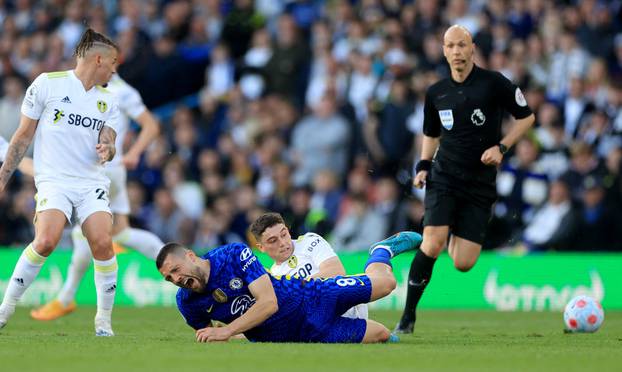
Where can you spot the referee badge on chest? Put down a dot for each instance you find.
(447, 118)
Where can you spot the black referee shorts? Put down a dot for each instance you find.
(465, 205)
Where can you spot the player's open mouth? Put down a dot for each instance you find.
(188, 282)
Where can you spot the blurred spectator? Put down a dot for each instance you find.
(10, 106)
(165, 219)
(320, 141)
(286, 70)
(390, 206)
(327, 194)
(521, 186)
(213, 232)
(554, 225)
(576, 107)
(583, 163)
(239, 25)
(387, 136)
(301, 218)
(612, 180)
(569, 62)
(600, 222)
(360, 228)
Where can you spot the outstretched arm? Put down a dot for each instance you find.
(148, 132)
(17, 148)
(105, 148)
(265, 305)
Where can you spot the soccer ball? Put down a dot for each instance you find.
(583, 314)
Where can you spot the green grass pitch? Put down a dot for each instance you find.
(156, 339)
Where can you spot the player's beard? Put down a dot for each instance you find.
(196, 280)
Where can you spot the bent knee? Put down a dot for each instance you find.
(464, 266)
(388, 285)
(101, 244)
(433, 245)
(383, 335)
(376, 332)
(44, 245)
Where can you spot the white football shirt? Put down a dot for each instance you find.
(310, 250)
(131, 106)
(70, 120)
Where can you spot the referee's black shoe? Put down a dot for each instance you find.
(405, 326)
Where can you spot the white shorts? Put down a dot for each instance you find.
(119, 201)
(67, 198)
(357, 312)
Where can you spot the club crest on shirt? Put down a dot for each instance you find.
(102, 106)
(447, 118)
(219, 295)
(292, 262)
(235, 283)
(478, 118)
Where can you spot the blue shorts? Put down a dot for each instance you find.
(326, 300)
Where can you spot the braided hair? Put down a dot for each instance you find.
(91, 39)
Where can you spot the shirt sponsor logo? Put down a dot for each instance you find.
(248, 263)
(447, 118)
(241, 303)
(86, 122)
(58, 114)
(246, 253)
(520, 98)
(235, 283)
(478, 118)
(304, 271)
(219, 295)
(314, 244)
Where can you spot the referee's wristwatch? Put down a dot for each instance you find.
(503, 149)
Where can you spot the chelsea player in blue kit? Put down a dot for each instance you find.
(228, 284)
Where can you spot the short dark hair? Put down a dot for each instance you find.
(89, 39)
(168, 249)
(265, 221)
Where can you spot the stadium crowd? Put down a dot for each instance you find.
(314, 109)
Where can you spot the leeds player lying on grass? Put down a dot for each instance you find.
(309, 256)
(228, 284)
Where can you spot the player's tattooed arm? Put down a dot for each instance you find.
(17, 148)
(105, 148)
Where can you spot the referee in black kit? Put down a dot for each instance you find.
(462, 120)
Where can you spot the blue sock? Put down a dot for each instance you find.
(381, 255)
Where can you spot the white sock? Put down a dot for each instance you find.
(143, 241)
(26, 270)
(80, 261)
(106, 285)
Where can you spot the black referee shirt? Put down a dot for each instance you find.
(467, 116)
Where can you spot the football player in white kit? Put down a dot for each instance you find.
(131, 106)
(309, 256)
(73, 120)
